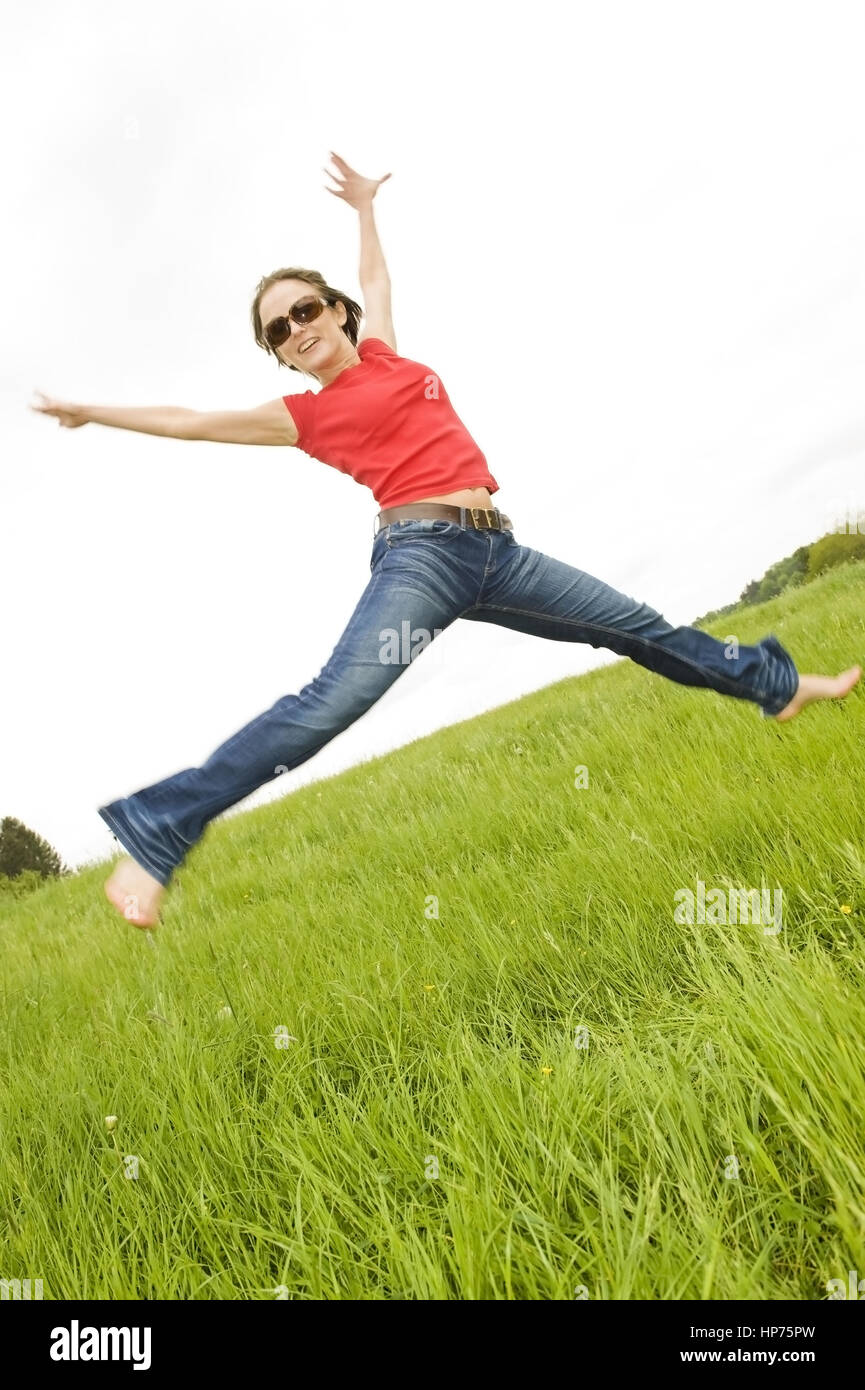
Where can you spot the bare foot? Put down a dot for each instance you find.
(820, 688)
(135, 893)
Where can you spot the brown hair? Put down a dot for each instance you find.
(354, 312)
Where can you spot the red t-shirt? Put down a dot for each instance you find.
(388, 423)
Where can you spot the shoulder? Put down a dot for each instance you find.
(375, 347)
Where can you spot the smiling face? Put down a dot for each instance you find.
(319, 348)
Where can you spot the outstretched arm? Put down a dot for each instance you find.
(359, 192)
(270, 423)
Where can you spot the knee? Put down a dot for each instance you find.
(329, 706)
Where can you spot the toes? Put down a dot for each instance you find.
(120, 900)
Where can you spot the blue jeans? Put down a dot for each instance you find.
(424, 575)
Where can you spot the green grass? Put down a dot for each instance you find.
(308, 1166)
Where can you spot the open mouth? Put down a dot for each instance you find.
(310, 343)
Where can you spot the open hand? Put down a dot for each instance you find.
(355, 190)
(71, 416)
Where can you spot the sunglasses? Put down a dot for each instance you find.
(304, 311)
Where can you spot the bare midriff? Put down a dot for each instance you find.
(467, 497)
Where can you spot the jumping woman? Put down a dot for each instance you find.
(441, 551)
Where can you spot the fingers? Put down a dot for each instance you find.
(344, 170)
(48, 406)
(347, 170)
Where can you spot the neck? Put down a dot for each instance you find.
(349, 357)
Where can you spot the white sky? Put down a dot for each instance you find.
(628, 237)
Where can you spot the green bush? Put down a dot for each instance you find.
(834, 549)
(25, 882)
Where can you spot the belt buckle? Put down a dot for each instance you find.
(475, 511)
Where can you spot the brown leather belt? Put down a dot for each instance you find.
(479, 518)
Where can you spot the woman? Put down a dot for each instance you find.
(441, 552)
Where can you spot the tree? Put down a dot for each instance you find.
(21, 849)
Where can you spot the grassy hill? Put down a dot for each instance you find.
(550, 1089)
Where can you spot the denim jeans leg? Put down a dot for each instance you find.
(159, 824)
(532, 592)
